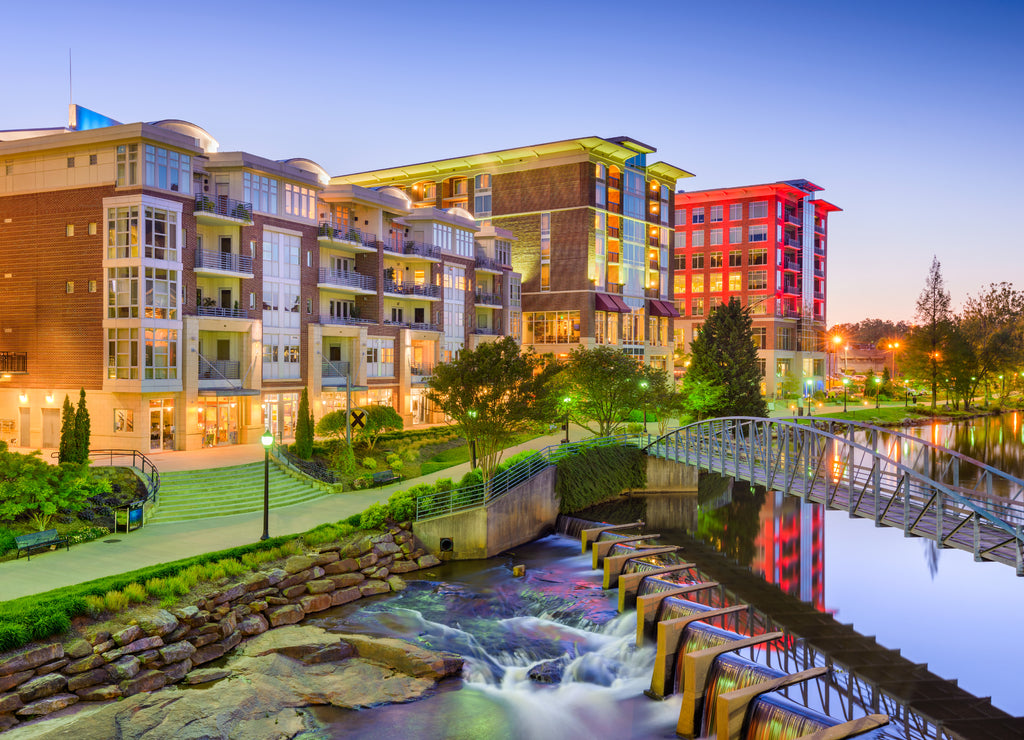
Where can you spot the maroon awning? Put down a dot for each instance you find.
(656, 308)
(671, 309)
(609, 302)
(623, 308)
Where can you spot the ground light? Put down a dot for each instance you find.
(567, 400)
(267, 439)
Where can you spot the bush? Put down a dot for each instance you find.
(443, 484)
(598, 474)
(136, 592)
(369, 463)
(7, 542)
(374, 517)
(12, 636)
(353, 521)
(474, 477)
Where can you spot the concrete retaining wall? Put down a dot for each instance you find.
(667, 475)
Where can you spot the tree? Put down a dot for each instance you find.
(335, 424)
(379, 419)
(993, 322)
(933, 317)
(82, 431)
(724, 356)
(604, 385)
(492, 394)
(870, 386)
(30, 487)
(303, 446)
(662, 397)
(68, 444)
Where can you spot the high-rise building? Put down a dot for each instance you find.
(767, 246)
(592, 219)
(193, 293)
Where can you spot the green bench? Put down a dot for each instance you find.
(27, 543)
(384, 477)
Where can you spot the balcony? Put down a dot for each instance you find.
(222, 313)
(614, 232)
(653, 264)
(819, 273)
(421, 249)
(222, 210)
(487, 331)
(819, 228)
(347, 279)
(415, 325)
(393, 244)
(793, 219)
(430, 292)
(334, 373)
(819, 294)
(326, 320)
(483, 262)
(613, 257)
(347, 236)
(219, 369)
(221, 263)
(791, 265)
(490, 299)
(13, 363)
(819, 250)
(652, 241)
(613, 288)
(421, 370)
(791, 242)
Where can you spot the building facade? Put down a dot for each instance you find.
(592, 221)
(767, 246)
(193, 293)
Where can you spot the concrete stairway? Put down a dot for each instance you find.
(200, 494)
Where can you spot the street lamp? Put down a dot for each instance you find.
(878, 389)
(893, 346)
(567, 400)
(906, 395)
(643, 387)
(836, 341)
(267, 439)
(846, 384)
(810, 383)
(472, 443)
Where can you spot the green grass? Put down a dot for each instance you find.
(896, 414)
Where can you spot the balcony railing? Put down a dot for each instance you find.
(614, 207)
(224, 313)
(488, 263)
(417, 325)
(818, 249)
(347, 234)
(614, 231)
(791, 242)
(613, 288)
(219, 369)
(653, 264)
(335, 369)
(819, 294)
(13, 362)
(792, 218)
(819, 273)
(791, 264)
(393, 244)
(614, 182)
(223, 261)
(489, 331)
(344, 320)
(348, 279)
(652, 241)
(422, 371)
(423, 250)
(491, 299)
(221, 205)
(425, 290)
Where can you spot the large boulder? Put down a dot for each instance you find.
(406, 657)
(31, 658)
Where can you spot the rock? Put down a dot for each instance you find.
(547, 672)
(205, 639)
(405, 657)
(293, 591)
(207, 653)
(41, 687)
(77, 649)
(285, 615)
(145, 681)
(396, 583)
(185, 612)
(298, 563)
(127, 635)
(315, 603)
(427, 561)
(258, 606)
(228, 624)
(326, 557)
(357, 547)
(158, 623)
(176, 671)
(329, 654)
(321, 586)
(107, 692)
(123, 669)
(14, 679)
(102, 647)
(51, 667)
(150, 659)
(347, 579)
(10, 703)
(367, 560)
(48, 705)
(275, 576)
(177, 652)
(379, 539)
(205, 675)
(7, 721)
(372, 588)
(85, 664)
(386, 548)
(264, 592)
(254, 624)
(380, 574)
(230, 595)
(294, 641)
(277, 600)
(344, 596)
(97, 637)
(145, 643)
(231, 640)
(31, 658)
(87, 679)
(113, 655)
(177, 634)
(256, 582)
(403, 566)
(346, 565)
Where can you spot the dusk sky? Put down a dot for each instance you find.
(909, 114)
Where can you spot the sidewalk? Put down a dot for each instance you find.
(161, 543)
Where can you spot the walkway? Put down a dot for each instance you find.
(162, 543)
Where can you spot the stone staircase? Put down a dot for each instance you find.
(201, 494)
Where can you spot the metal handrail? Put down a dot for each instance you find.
(224, 313)
(225, 261)
(13, 362)
(422, 249)
(347, 234)
(221, 205)
(335, 369)
(219, 369)
(490, 299)
(150, 474)
(306, 467)
(344, 320)
(348, 278)
(426, 289)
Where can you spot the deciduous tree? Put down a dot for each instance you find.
(604, 385)
(379, 419)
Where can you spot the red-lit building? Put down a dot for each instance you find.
(766, 245)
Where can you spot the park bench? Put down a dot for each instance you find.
(384, 477)
(39, 541)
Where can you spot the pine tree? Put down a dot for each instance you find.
(724, 355)
(68, 445)
(933, 318)
(82, 431)
(303, 446)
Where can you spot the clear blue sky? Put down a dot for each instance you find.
(908, 113)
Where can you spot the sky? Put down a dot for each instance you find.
(908, 114)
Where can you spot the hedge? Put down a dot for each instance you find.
(598, 474)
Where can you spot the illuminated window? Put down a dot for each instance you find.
(716, 259)
(697, 262)
(735, 258)
(757, 257)
(757, 233)
(161, 354)
(123, 232)
(735, 282)
(716, 282)
(697, 307)
(757, 280)
(760, 337)
(697, 283)
(123, 354)
(122, 292)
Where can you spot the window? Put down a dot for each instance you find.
(482, 205)
(552, 327)
(127, 165)
(679, 285)
(680, 216)
(92, 228)
(697, 307)
(124, 420)
(679, 240)
(716, 259)
(482, 182)
(260, 191)
(123, 354)
(69, 287)
(93, 159)
(735, 258)
(735, 234)
(69, 230)
(760, 336)
(161, 293)
(757, 257)
(698, 215)
(161, 354)
(123, 232)
(502, 250)
(309, 305)
(715, 214)
(785, 338)
(545, 252)
(735, 211)
(161, 234)
(716, 301)
(697, 262)
(757, 280)
(380, 357)
(757, 233)
(299, 201)
(463, 243)
(716, 282)
(696, 283)
(697, 239)
(168, 170)
(716, 237)
(759, 209)
(759, 307)
(460, 186)
(735, 282)
(679, 262)
(122, 292)
(71, 162)
(430, 191)
(92, 286)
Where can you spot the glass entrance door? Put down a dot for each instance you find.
(218, 418)
(161, 424)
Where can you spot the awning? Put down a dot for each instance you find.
(662, 308)
(228, 392)
(607, 302)
(623, 308)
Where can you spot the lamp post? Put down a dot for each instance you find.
(893, 346)
(472, 443)
(906, 395)
(567, 400)
(846, 384)
(267, 439)
(643, 387)
(810, 384)
(836, 341)
(878, 389)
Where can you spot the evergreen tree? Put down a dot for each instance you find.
(724, 355)
(82, 431)
(933, 318)
(68, 444)
(303, 446)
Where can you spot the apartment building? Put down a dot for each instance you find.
(767, 246)
(592, 220)
(193, 293)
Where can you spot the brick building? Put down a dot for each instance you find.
(193, 293)
(592, 219)
(766, 245)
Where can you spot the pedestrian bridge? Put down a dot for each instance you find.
(893, 478)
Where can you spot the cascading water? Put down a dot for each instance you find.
(773, 717)
(673, 608)
(731, 672)
(700, 636)
(573, 526)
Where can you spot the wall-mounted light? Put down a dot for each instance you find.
(23, 397)
(49, 396)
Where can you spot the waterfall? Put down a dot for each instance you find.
(674, 607)
(731, 672)
(773, 717)
(573, 526)
(700, 636)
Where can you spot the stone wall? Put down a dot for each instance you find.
(162, 647)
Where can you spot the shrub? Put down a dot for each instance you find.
(397, 466)
(232, 567)
(136, 592)
(374, 516)
(115, 601)
(7, 542)
(402, 506)
(472, 478)
(392, 458)
(96, 604)
(443, 484)
(409, 455)
(369, 463)
(352, 521)
(12, 636)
